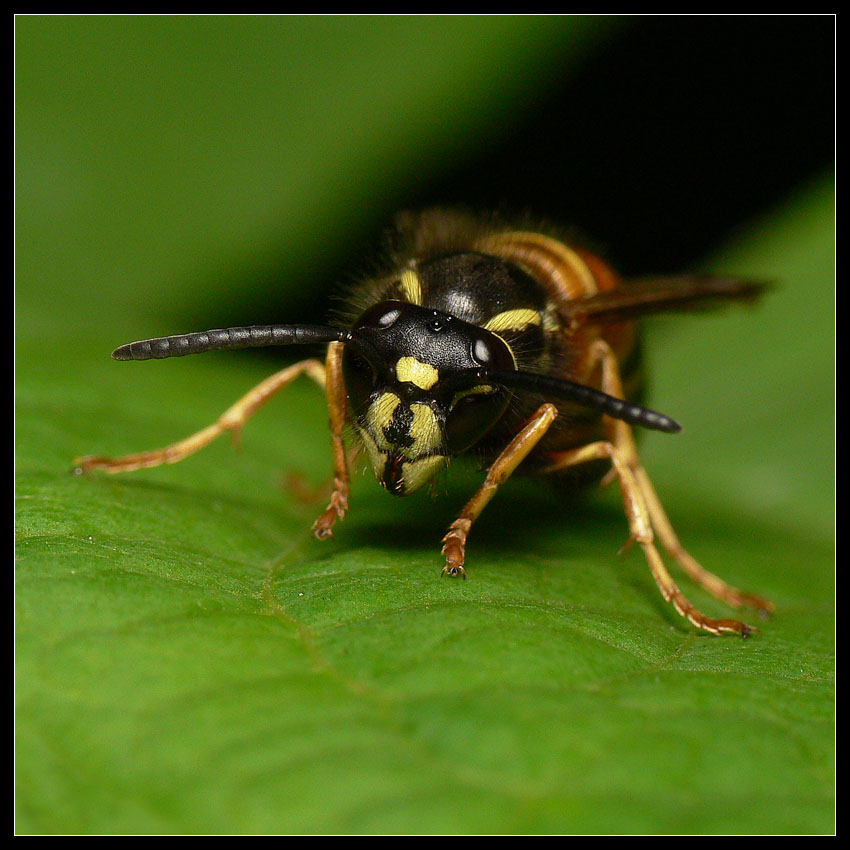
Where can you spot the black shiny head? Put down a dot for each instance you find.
(408, 400)
(418, 347)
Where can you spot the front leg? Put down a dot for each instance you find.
(336, 414)
(454, 543)
(233, 420)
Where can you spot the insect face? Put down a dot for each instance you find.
(407, 405)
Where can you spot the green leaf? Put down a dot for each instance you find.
(190, 659)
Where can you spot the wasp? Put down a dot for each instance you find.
(480, 337)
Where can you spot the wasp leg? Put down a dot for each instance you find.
(233, 420)
(454, 543)
(336, 413)
(620, 434)
(640, 527)
(712, 583)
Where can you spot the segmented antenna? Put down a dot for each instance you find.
(257, 336)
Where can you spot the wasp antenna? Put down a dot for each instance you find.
(616, 408)
(256, 336)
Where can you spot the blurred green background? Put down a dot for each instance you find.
(188, 658)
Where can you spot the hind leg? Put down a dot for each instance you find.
(645, 514)
(620, 434)
(640, 527)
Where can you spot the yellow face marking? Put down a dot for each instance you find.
(381, 411)
(513, 320)
(377, 457)
(416, 372)
(418, 461)
(411, 286)
(425, 431)
(419, 472)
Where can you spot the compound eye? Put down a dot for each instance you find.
(381, 316)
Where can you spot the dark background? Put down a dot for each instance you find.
(670, 135)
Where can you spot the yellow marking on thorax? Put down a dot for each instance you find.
(416, 372)
(513, 320)
(411, 286)
(551, 324)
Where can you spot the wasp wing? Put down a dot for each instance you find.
(658, 295)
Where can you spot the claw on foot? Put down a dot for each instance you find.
(454, 570)
(85, 464)
(716, 627)
(322, 528)
(454, 548)
(323, 525)
(81, 465)
(733, 626)
(334, 511)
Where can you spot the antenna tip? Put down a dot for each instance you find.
(662, 423)
(122, 353)
(658, 421)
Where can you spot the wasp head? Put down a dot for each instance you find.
(406, 408)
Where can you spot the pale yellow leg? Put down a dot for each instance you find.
(233, 420)
(644, 512)
(640, 526)
(454, 543)
(620, 434)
